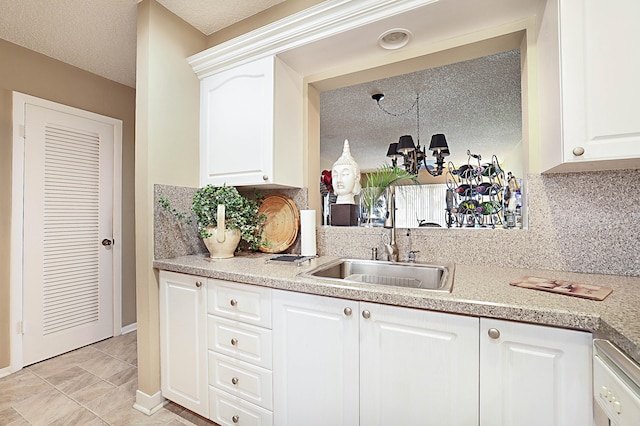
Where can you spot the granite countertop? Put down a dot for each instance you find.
(482, 291)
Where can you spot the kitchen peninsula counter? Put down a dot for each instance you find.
(482, 291)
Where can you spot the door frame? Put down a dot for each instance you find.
(17, 218)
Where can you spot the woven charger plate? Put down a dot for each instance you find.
(282, 223)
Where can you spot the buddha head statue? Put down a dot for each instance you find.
(345, 176)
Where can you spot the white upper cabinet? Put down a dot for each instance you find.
(589, 86)
(251, 126)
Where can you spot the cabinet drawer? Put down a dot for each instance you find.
(241, 341)
(242, 302)
(241, 379)
(229, 410)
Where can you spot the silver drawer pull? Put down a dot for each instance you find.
(233, 302)
(235, 380)
(235, 419)
(348, 311)
(366, 314)
(234, 342)
(198, 284)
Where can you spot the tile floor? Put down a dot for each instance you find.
(94, 385)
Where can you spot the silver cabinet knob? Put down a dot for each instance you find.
(198, 284)
(366, 314)
(348, 311)
(234, 342)
(578, 151)
(233, 302)
(235, 419)
(265, 178)
(235, 380)
(106, 242)
(494, 333)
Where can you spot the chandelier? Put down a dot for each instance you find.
(412, 154)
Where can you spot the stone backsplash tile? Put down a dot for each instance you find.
(577, 222)
(173, 238)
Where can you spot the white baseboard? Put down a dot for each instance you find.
(129, 328)
(149, 404)
(4, 372)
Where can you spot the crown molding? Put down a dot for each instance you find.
(323, 20)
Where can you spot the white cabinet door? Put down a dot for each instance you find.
(532, 375)
(417, 365)
(315, 360)
(183, 340)
(236, 137)
(251, 126)
(597, 123)
(600, 78)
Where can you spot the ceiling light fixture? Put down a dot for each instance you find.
(413, 155)
(394, 39)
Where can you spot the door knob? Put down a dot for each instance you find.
(106, 242)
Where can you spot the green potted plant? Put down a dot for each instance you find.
(376, 183)
(224, 217)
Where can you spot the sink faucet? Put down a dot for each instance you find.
(390, 223)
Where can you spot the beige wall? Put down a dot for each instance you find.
(29, 72)
(167, 135)
(279, 11)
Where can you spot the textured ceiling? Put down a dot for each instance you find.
(99, 36)
(475, 103)
(209, 16)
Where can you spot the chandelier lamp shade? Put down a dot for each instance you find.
(412, 154)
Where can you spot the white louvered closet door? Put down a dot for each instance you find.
(68, 199)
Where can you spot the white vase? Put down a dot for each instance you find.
(224, 249)
(223, 242)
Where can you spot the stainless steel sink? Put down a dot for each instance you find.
(411, 275)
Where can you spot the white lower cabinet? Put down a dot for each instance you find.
(316, 366)
(532, 375)
(240, 354)
(183, 340)
(342, 362)
(417, 367)
(248, 355)
(229, 410)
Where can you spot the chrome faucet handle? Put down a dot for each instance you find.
(412, 256)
